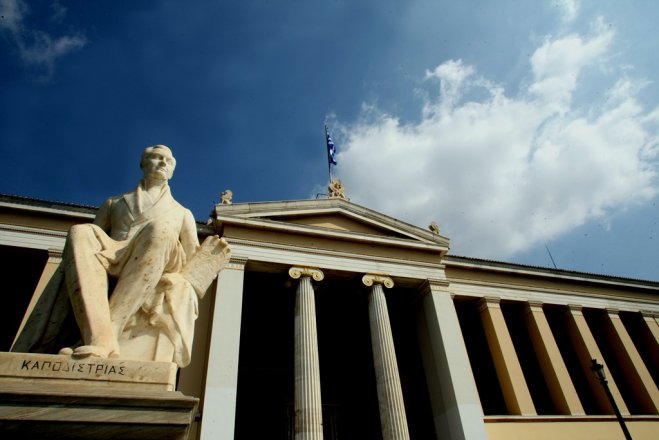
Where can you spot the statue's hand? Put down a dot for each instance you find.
(220, 246)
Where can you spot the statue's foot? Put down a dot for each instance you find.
(68, 351)
(93, 351)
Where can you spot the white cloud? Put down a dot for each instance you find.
(557, 64)
(501, 174)
(569, 9)
(37, 47)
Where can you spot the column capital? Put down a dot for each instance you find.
(533, 306)
(575, 308)
(612, 311)
(54, 254)
(432, 285)
(649, 314)
(236, 262)
(371, 279)
(296, 272)
(488, 302)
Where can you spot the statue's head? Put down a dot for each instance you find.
(159, 161)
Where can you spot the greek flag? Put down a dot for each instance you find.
(331, 149)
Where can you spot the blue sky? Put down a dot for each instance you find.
(512, 124)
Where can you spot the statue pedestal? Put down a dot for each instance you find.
(53, 396)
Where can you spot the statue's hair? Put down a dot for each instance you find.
(150, 149)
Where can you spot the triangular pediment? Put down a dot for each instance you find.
(334, 217)
(339, 221)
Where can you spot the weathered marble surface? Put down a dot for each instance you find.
(146, 242)
(56, 411)
(49, 370)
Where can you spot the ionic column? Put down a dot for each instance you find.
(509, 371)
(390, 393)
(555, 372)
(586, 347)
(632, 364)
(308, 406)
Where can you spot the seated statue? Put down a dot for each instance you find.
(131, 279)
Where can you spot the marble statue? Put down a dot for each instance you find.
(226, 197)
(336, 190)
(131, 279)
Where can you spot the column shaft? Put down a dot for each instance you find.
(390, 394)
(509, 371)
(308, 404)
(560, 385)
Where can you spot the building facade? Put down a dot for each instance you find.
(343, 323)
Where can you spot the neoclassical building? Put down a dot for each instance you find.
(339, 322)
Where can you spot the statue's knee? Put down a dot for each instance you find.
(82, 231)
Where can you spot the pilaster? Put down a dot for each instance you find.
(509, 371)
(652, 339)
(53, 262)
(224, 347)
(631, 363)
(584, 344)
(456, 407)
(551, 362)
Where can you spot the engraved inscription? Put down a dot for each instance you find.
(89, 368)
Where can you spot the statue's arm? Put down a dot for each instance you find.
(189, 239)
(102, 218)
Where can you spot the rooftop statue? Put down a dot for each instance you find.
(131, 279)
(336, 190)
(226, 197)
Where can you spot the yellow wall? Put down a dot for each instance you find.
(562, 429)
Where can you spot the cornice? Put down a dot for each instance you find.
(554, 297)
(548, 273)
(65, 211)
(568, 290)
(33, 231)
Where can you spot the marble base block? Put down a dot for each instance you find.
(48, 369)
(55, 397)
